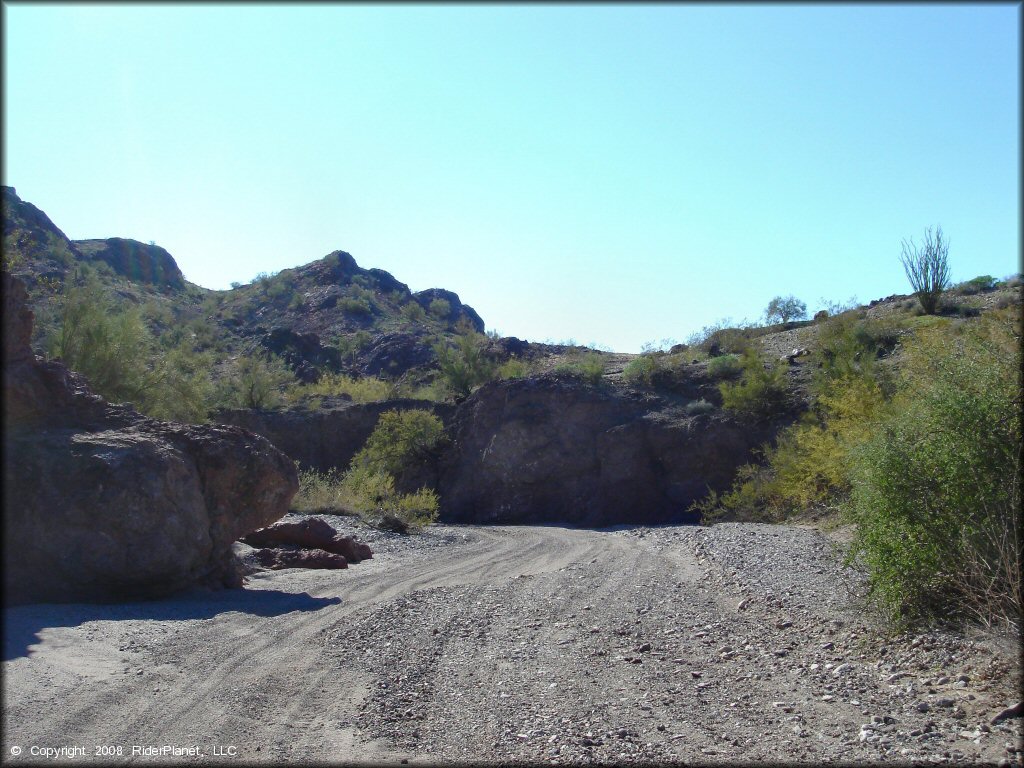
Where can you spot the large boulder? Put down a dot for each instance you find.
(540, 450)
(279, 558)
(102, 503)
(141, 262)
(392, 354)
(310, 533)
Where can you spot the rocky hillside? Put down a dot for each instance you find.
(573, 435)
(327, 315)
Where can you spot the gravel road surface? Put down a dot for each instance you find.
(732, 643)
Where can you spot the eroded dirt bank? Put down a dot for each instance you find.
(738, 642)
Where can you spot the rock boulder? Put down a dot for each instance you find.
(309, 533)
(278, 558)
(102, 503)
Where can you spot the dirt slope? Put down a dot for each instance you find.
(735, 642)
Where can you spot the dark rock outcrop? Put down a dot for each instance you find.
(392, 354)
(278, 558)
(32, 233)
(456, 309)
(303, 352)
(137, 261)
(310, 533)
(102, 503)
(327, 438)
(548, 450)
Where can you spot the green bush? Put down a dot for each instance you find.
(401, 440)
(761, 390)
(724, 366)
(975, 285)
(588, 366)
(112, 347)
(119, 357)
(413, 312)
(809, 466)
(513, 368)
(848, 347)
(698, 407)
(464, 365)
(640, 371)
(373, 497)
(440, 308)
(322, 492)
(349, 346)
(255, 381)
(357, 307)
(936, 490)
(370, 495)
(361, 389)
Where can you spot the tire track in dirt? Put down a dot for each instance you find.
(237, 653)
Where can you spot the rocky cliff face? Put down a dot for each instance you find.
(101, 503)
(548, 450)
(328, 437)
(542, 450)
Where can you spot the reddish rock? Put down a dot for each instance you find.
(312, 533)
(276, 559)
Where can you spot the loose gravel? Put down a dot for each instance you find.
(524, 644)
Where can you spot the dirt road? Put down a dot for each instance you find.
(737, 642)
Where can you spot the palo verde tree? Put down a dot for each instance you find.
(927, 268)
(782, 309)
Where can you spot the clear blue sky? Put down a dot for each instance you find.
(611, 174)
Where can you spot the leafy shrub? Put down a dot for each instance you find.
(373, 497)
(440, 308)
(588, 366)
(185, 390)
(810, 463)
(697, 407)
(724, 366)
(744, 501)
(115, 351)
(975, 285)
(357, 307)
(513, 368)
(640, 371)
(936, 490)
(761, 390)
(370, 495)
(322, 492)
(349, 346)
(361, 389)
(413, 312)
(401, 439)
(255, 381)
(112, 347)
(848, 348)
(464, 365)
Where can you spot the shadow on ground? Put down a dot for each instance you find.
(22, 624)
